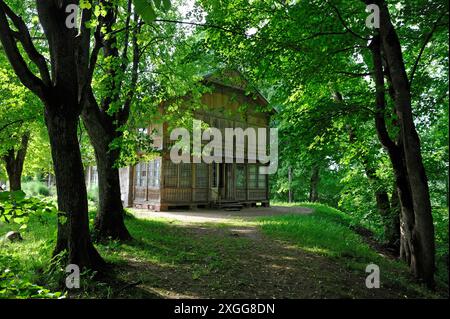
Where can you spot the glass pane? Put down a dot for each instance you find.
(138, 174)
(170, 174)
(262, 181)
(185, 175)
(252, 176)
(240, 176)
(143, 176)
(150, 179)
(201, 175)
(157, 171)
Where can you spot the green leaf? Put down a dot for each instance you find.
(85, 4)
(4, 196)
(157, 4)
(166, 4)
(145, 9)
(18, 195)
(15, 196)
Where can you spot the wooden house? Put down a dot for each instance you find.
(160, 184)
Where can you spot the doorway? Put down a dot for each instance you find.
(229, 181)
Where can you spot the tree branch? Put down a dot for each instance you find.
(380, 122)
(23, 35)
(28, 79)
(344, 24)
(422, 49)
(5, 126)
(355, 74)
(92, 63)
(125, 111)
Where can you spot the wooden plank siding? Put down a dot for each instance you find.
(191, 184)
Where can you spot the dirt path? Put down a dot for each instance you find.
(210, 215)
(245, 264)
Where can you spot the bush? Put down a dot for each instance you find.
(12, 286)
(35, 188)
(92, 194)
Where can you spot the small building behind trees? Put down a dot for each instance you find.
(160, 184)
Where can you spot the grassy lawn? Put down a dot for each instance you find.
(291, 256)
(327, 232)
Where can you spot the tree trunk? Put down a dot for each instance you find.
(104, 128)
(62, 89)
(109, 222)
(314, 184)
(407, 220)
(417, 237)
(423, 232)
(73, 221)
(14, 163)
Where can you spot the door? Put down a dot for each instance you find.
(229, 181)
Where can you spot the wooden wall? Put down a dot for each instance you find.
(184, 184)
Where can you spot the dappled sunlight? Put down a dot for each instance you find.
(164, 293)
(317, 250)
(279, 267)
(235, 258)
(221, 216)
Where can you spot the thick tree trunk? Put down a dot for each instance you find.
(314, 184)
(109, 222)
(14, 177)
(417, 231)
(407, 220)
(14, 163)
(423, 232)
(103, 128)
(61, 89)
(73, 221)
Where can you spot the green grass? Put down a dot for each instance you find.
(322, 232)
(166, 243)
(178, 255)
(327, 232)
(163, 243)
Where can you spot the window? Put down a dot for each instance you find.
(143, 175)
(157, 174)
(240, 176)
(150, 174)
(170, 174)
(201, 175)
(185, 174)
(262, 178)
(154, 173)
(137, 174)
(252, 176)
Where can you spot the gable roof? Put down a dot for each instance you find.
(235, 80)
